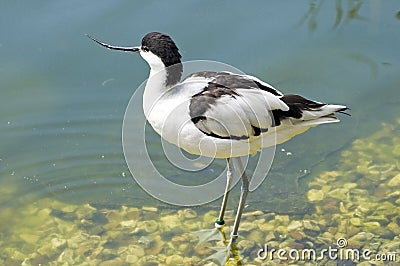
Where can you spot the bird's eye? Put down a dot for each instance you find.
(145, 49)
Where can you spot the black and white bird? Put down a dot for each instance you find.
(220, 114)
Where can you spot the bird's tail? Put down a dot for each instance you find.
(305, 112)
(323, 115)
(302, 115)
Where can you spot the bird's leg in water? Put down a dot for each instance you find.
(220, 221)
(243, 195)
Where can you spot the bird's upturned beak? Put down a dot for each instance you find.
(135, 49)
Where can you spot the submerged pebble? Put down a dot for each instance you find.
(136, 250)
(150, 226)
(339, 193)
(149, 209)
(355, 221)
(294, 225)
(247, 226)
(187, 214)
(311, 225)
(315, 195)
(174, 260)
(395, 181)
(131, 259)
(170, 222)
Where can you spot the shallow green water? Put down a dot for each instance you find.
(63, 100)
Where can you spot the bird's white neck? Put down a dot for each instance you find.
(161, 79)
(155, 87)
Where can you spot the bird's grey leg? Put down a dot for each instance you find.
(220, 221)
(243, 195)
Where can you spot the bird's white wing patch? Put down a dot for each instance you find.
(234, 114)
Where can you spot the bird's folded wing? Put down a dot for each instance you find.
(234, 113)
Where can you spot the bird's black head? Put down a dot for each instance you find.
(163, 46)
(159, 50)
